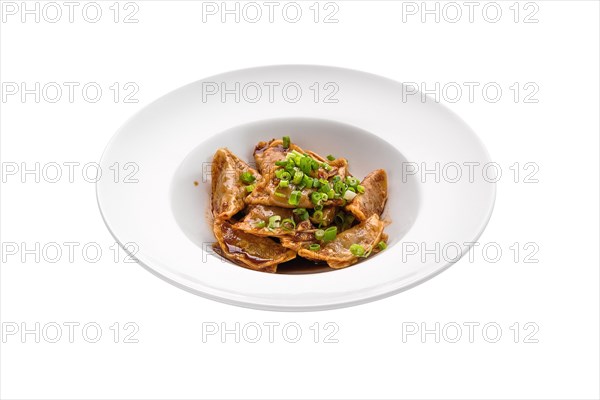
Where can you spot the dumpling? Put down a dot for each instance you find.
(266, 154)
(257, 218)
(228, 190)
(372, 201)
(337, 252)
(251, 251)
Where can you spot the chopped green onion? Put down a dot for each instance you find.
(340, 218)
(314, 247)
(349, 195)
(324, 197)
(286, 142)
(331, 194)
(330, 234)
(360, 188)
(283, 183)
(352, 181)
(314, 165)
(247, 177)
(348, 221)
(285, 176)
(318, 216)
(316, 183)
(382, 245)
(288, 224)
(297, 154)
(250, 188)
(295, 197)
(307, 181)
(281, 163)
(339, 186)
(280, 195)
(326, 166)
(325, 187)
(301, 213)
(298, 175)
(318, 207)
(319, 234)
(274, 222)
(260, 224)
(306, 164)
(316, 197)
(330, 157)
(357, 250)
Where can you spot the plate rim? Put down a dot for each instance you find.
(299, 308)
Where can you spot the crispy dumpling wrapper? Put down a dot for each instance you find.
(228, 191)
(251, 251)
(372, 201)
(337, 252)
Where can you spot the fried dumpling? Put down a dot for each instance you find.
(266, 154)
(372, 201)
(251, 251)
(228, 190)
(337, 252)
(268, 193)
(299, 240)
(256, 221)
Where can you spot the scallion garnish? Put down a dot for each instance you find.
(326, 166)
(316, 197)
(325, 187)
(298, 175)
(295, 197)
(301, 213)
(250, 188)
(330, 233)
(330, 157)
(283, 196)
(288, 224)
(283, 183)
(307, 181)
(352, 181)
(247, 177)
(318, 216)
(357, 250)
(382, 245)
(349, 195)
(319, 234)
(286, 176)
(339, 186)
(286, 142)
(318, 207)
(274, 222)
(314, 247)
(360, 188)
(340, 217)
(260, 224)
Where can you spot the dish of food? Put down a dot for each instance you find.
(165, 221)
(296, 203)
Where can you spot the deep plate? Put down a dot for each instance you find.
(172, 141)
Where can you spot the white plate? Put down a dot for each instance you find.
(370, 120)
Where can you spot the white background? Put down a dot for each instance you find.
(171, 46)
